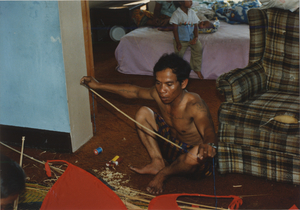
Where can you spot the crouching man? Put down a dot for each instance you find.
(184, 119)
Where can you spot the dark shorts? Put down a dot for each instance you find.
(171, 152)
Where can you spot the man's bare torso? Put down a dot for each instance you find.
(180, 120)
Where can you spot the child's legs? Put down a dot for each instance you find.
(196, 56)
(184, 46)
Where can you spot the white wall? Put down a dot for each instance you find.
(75, 67)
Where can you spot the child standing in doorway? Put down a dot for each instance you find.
(185, 30)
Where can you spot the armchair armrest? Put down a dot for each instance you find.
(238, 85)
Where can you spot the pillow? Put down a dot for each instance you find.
(291, 5)
(236, 13)
(209, 30)
(220, 4)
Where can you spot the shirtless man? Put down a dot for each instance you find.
(185, 118)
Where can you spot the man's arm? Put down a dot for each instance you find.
(125, 90)
(204, 123)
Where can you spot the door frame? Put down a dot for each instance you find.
(87, 34)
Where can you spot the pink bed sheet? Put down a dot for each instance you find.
(224, 50)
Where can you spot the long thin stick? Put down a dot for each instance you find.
(22, 151)
(246, 196)
(61, 171)
(152, 196)
(193, 208)
(151, 131)
(20, 163)
(178, 201)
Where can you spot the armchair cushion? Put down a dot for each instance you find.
(259, 117)
(240, 84)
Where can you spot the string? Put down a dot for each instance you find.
(267, 122)
(214, 175)
(94, 115)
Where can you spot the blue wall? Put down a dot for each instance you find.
(32, 76)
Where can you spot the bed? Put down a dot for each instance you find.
(224, 50)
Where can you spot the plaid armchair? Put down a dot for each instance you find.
(259, 120)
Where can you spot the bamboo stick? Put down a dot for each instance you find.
(151, 131)
(245, 196)
(133, 198)
(131, 206)
(196, 208)
(61, 171)
(201, 205)
(183, 202)
(22, 151)
(16, 202)
(36, 189)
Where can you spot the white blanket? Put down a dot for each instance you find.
(224, 50)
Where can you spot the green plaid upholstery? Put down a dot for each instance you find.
(281, 57)
(240, 84)
(259, 113)
(272, 165)
(251, 140)
(258, 34)
(239, 135)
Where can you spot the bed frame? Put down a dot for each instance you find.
(224, 50)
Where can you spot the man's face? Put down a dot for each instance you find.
(167, 86)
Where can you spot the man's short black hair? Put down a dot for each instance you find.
(179, 66)
(12, 177)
